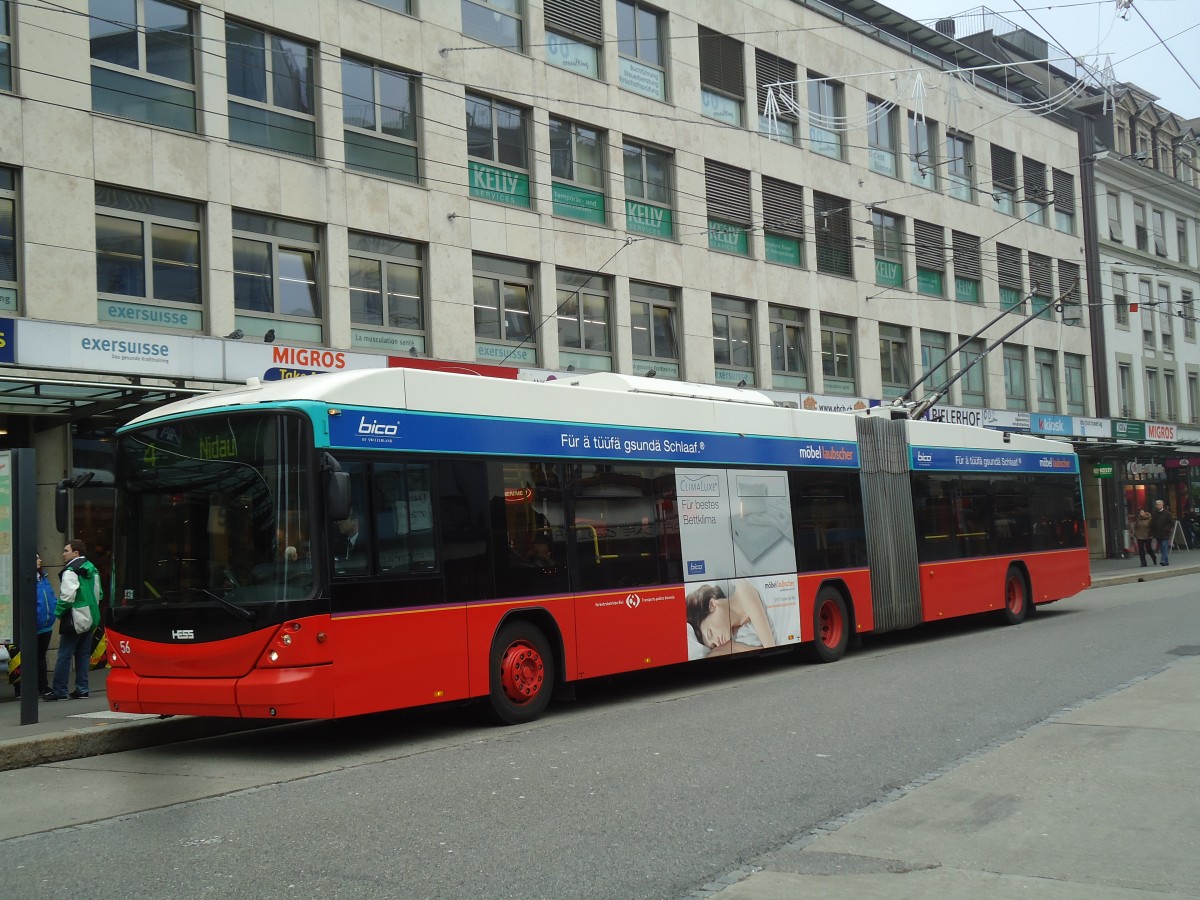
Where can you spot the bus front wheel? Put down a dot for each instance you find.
(1016, 597)
(831, 624)
(522, 673)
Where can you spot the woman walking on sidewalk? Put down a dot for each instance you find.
(1140, 525)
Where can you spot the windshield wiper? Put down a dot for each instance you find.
(245, 615)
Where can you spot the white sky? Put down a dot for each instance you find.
(1089, 27)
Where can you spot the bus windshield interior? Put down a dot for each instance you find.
(215, 512)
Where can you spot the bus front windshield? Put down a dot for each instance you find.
(214, 512)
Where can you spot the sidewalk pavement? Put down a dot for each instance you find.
(1097, 802)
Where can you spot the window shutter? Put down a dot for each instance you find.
(1064, 191)
(1035, 179)
(1041, 275)
(1004, 169)
(577, 18)
(727, 189)
(721, 63)
(967, 262)
(783, 208)
(1068, 283)
(1008, 267)
(771, 69)
(931, 250)
(831, 226)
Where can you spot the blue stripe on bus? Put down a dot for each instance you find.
(447, 433)
(952, 459)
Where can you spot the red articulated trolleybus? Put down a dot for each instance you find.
(349, 543)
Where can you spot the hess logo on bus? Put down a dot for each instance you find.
(377, 428)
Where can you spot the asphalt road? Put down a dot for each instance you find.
(646, 786)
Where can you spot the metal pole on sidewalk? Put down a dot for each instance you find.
(24, 548)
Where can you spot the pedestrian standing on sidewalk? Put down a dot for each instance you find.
(81, 589)
(1141, 533)
(1162, 527)
(46, 602)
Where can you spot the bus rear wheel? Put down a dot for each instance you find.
(522, 673)
(1016, 597)
(831, 625)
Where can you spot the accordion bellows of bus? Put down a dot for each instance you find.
(348, 543)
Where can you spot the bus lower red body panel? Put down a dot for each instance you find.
(969, 586)
(305, 693)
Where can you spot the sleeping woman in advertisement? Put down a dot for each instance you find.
(731, 624)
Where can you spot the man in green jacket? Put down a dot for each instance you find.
(81, 589)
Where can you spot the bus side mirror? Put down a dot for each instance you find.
(337, 495)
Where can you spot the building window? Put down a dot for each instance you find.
(574, 35)
(648, 190)
(1010, 276)
(1160, 233)
(960, 166)
(640, 49)
(968, 266)
(496, 22)
(9, 291)
(1073, 370)
(584, 303)
(503, 293)
(789, 347)
(894, 360)
(272, 77)
(922, 151)
(1016, 381)
(1046, 376)
(275, 270)
(387, 291)
(722, 77)
(1124, 382)
(733, 339)
(147, 249)
(935, 361)
(5, 47)
(400, 6)
(1166, 317)
(776, 111)
(1146, 314)
(1187, 312)
(889, 248)
(1122, 139)
(577, 167)
(882, 138)
(1193, 393)
(1142, 235)
(1120, 300)
(1172, 402)
(1004, 180)
(496, 132)
(1153, 398)
(837, 355)
(1114, 217)
(727, 192)
(1181, 241)
(1071, 292)
(783, 222)
(1041, 284)
(1034, 174)
(143, 61)
(972, 386)
(826, 116)
(653, 314)
(831, 224)
(931, 258)
(1064, 201)
(380, 118)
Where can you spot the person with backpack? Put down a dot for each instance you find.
(78, 612)
(46, 601)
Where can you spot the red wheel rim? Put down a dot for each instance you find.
(1014, 595)
(521, 672)
(830, 623)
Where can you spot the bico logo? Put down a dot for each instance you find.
(633, 601)
(365, 427)
(183, 634)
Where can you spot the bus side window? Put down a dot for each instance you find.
(402, 500)
(618, 527)
(529, 540)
